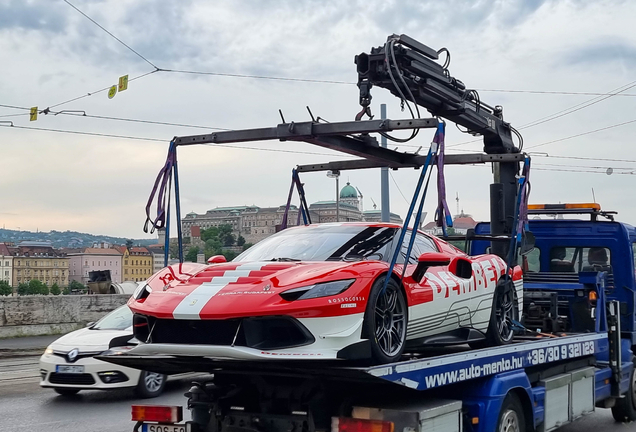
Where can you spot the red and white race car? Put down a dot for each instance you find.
(317, 292)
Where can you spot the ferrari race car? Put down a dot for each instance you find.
(318, 292)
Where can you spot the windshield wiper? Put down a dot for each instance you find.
(284, 259)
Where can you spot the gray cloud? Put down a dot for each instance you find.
(46, 16)
(602, 53)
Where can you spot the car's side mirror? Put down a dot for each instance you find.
(430, 259)
(216, 259)
(90, 324)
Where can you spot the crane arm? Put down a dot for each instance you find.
(409, 70)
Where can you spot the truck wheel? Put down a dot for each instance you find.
(511, 418)
(385, 321)
(66, 391)
(625, 408)
(504, 310)
(150, 384)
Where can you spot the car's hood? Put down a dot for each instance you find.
(87, 340)
(240, 289)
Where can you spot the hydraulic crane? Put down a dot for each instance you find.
(409, 70)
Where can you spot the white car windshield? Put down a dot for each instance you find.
(328, 242)
(119, 319)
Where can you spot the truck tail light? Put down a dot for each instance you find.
(345, 424)
(157, 413)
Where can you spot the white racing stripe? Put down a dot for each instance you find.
(192, 304)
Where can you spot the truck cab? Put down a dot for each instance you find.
(568, 252)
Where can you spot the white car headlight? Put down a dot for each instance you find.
(118, 350)
(48, 351)
(325, 289)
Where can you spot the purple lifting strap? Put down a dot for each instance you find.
(160, 186)
(442, 214)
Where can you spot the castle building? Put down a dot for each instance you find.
(256, 223)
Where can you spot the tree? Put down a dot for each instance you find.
(210, 233)
(55, 289)
(240, 241)
(246, 246)
(228, 239)
(5, 288)
(23, 288)
(192, 254)
(38, 287)
(129, 243)
(76, 286)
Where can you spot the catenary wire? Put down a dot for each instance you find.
(112, 35)
(398, 188)
(166, 140)
(582, 134)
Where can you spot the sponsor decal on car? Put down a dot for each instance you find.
(346, 299)
(348, 305)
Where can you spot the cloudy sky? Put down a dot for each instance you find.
(511, 51)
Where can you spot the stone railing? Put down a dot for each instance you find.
(38, 315)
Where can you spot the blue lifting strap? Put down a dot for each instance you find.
(398, 248)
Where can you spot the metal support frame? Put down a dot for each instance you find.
(353, 138)
(465, 159)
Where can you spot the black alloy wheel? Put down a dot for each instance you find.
(385, 322)
(505, 311)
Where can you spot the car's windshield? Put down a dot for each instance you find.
(119, 319)
(327, 242)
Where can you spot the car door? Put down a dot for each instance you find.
(433, 302)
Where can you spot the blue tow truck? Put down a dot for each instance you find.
(575, 355)
(574, 349)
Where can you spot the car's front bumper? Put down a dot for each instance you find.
(97, 374)
(331, 335)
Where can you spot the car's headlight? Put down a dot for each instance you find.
(48, 351)
(118, 350)
(318, 290)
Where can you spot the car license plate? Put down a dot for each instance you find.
(153, 427)
(69, 369)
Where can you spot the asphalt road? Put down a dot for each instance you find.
(24, 406)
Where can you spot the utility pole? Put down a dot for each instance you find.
(384, 178)
(335, 174)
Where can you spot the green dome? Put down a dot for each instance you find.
(348, 192)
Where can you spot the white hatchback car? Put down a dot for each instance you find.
(68, 364)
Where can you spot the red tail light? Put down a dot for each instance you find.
(157, 413)
(344, 424)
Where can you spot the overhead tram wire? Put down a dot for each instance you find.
(111, 35)
(582, 134)
(535, 166)
(557, 93)
(239, 147)
(566, 111)
(100, 90)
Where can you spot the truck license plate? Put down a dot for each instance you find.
(153, 427)
(69, 369)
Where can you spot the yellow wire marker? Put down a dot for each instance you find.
(112, 92)
(33, 115)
